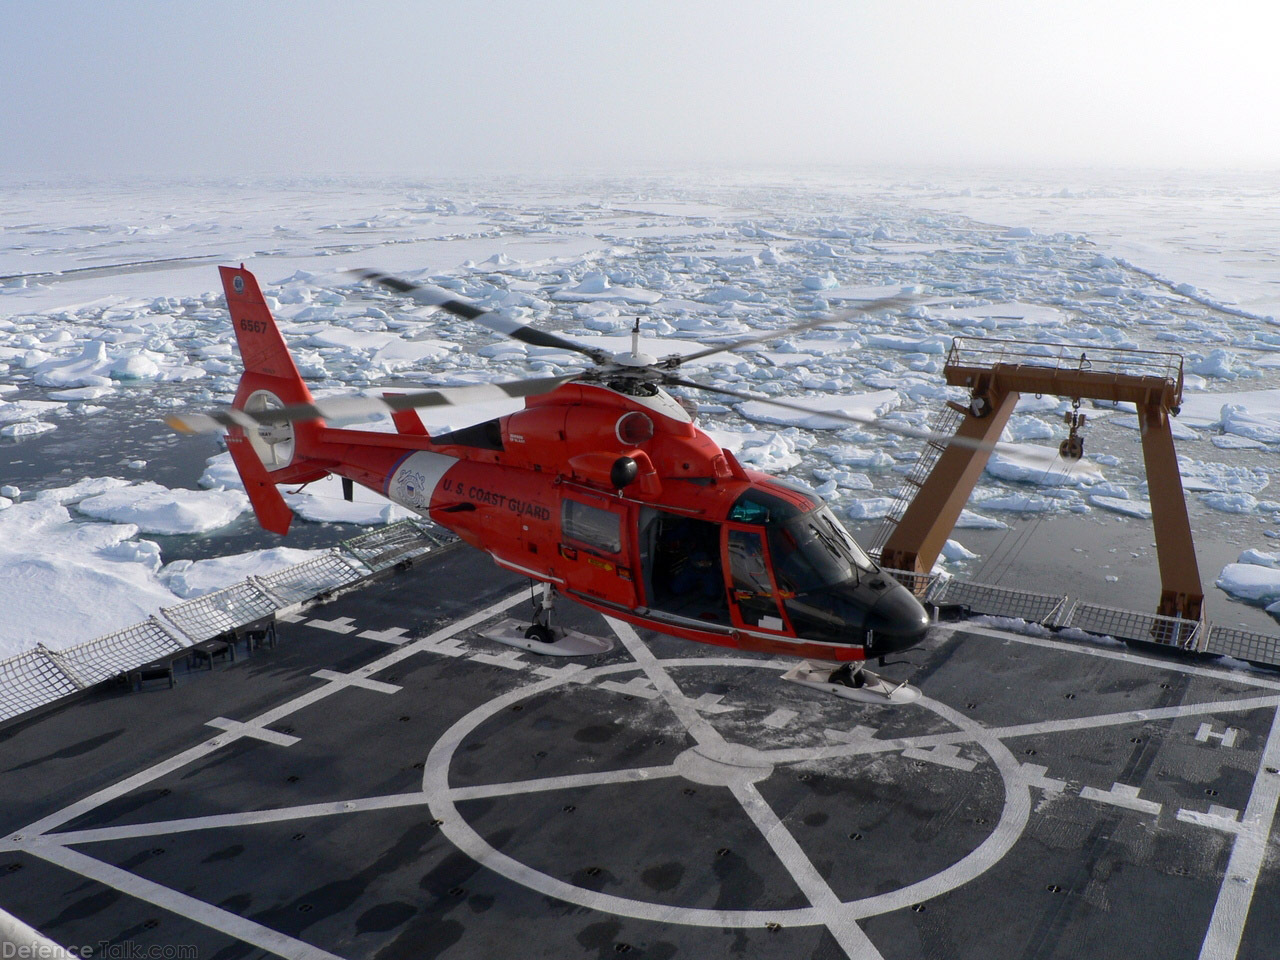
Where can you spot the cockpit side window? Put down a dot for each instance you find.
(756, 506)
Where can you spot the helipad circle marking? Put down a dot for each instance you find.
(435, 783)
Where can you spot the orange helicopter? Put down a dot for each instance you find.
(602, 489)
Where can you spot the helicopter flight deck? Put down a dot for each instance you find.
(385, 783)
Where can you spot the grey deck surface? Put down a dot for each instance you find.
(438, 795)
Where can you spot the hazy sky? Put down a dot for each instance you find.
(175, 88)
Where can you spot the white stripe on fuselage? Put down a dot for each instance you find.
(415, 480)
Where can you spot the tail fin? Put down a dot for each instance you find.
(265, 457)
(262, 349)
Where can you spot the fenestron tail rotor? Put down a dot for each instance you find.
(348, 407)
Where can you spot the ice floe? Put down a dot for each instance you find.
(195, 578)
(1029, 463)
(62, 582)
(865, 405)
(1248, 581)
(157, 509)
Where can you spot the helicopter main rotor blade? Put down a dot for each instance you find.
(494, 320)
(868, 307)
(875, 423)
(338, 408)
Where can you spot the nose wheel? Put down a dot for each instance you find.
(852, 682)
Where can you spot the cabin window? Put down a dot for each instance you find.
(599, 529)
(756, 506)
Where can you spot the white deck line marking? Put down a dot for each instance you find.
(1122, 795)
(177, 762)
(1035, 776)
(1226, 819)
(220, 820)
(817, 891)
(568, 782)
(205, 913)
(339, 625)
(710, 703)
(1225, 739)
(698, 726)
(635, 687)
(853, 747)
(944, 754)
(779, 718)
(355, 680)
(128, 785)
(507, 658)
(1235, 896)
(1217, 673)
(252, 731)
(392, 635)
(1135, 716)
(842, 925)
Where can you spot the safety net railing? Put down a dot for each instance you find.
(382, 549)
(42, 676)
(918, 583)
(201, 618)
(995, 601)
(1243, 645)
(118, 653)
(30, 680)
(1134, 625)
(311, 578)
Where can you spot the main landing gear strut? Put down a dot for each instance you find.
(541, 637)
(540, 629)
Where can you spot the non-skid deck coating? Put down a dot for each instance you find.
(385, 784)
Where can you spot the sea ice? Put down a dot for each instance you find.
(157, 509)
(1260, 557)
(1230, 502)
(195, 578)
(88, 487)
(1028, 463)
(872, 508)
(63, 582)
(869, 406)
(976, 521)
(956, 552)
(1247, 581)
(1131, 508)
(27, 428)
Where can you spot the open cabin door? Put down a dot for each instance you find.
(680, 560)
(753, 593)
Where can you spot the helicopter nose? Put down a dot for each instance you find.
(896, 622)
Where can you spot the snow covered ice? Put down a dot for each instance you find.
(1081, 265)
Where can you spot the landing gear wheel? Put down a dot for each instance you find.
(540, 633)
(845, 676)
(862, 685)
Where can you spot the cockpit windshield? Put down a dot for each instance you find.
(813, 551)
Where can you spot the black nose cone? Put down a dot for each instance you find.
(896, 622)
